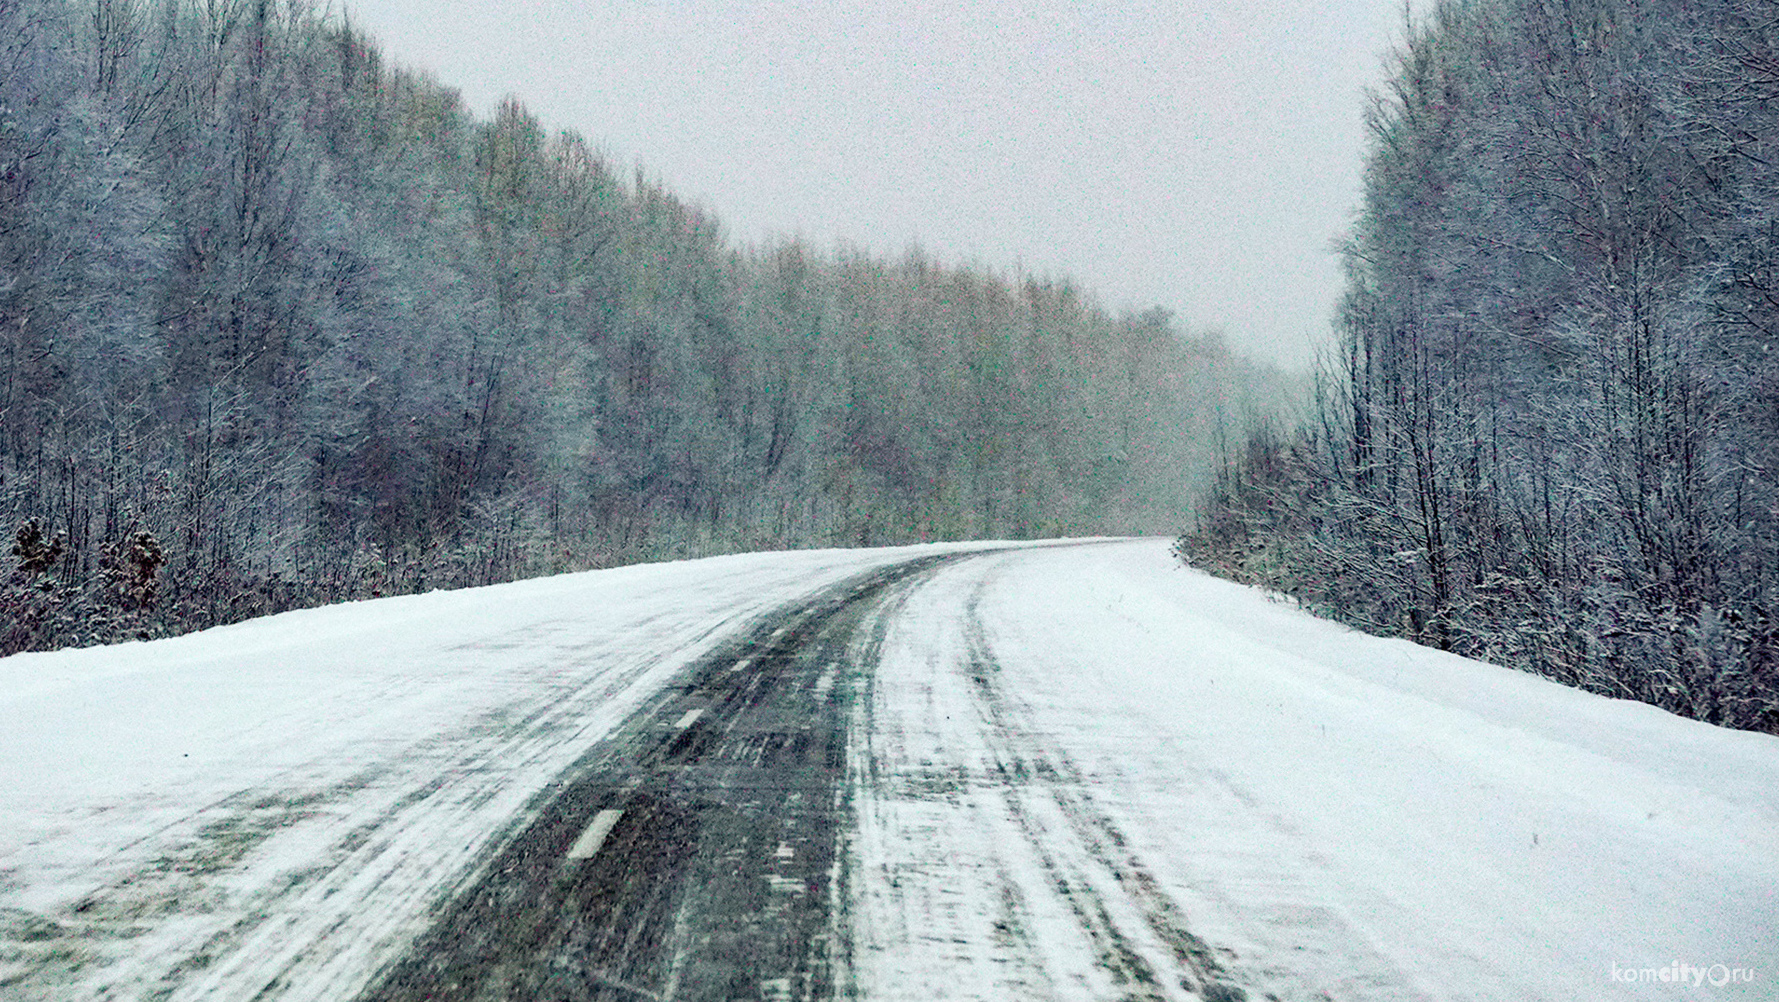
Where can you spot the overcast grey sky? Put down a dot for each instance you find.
(1200, 156)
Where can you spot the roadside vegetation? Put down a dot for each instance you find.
(283, 324)
(1549, 436)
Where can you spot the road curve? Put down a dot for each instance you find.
(1046, 772)
(692, 853)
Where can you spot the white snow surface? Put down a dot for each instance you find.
(285, 799)
(1078, 772)
(1074, 758)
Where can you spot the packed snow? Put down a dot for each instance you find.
(1078, 772)
(286, 798)
(1082, 765)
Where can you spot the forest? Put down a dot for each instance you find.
(283, 323)
(1549, 435)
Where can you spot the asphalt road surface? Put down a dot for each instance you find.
(692, 854)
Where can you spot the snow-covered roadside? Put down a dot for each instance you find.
(1082, 773)
(1114, 777)
(283, 799)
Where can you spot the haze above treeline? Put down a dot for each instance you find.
(283, 323)
(1200, 155)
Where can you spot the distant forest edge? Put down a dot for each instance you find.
(1551, 435)
(281, 324)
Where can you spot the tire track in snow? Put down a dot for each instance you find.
(300, 887)
(691, 854)
(1244, 870)
(986, 865)
(974, 874)
(1057, 787)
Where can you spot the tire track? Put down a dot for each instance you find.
(983, 856)
(691, 855)
(1021, 753)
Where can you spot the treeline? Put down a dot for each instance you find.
(282, 324)
(1550, 436)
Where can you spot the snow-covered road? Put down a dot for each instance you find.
(1074, 772)
(1088, 773)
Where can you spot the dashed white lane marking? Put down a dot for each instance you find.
(785, 885)
(778, 633)
(687, 720)
(594, 837)
(826, 681)
(741, 665)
